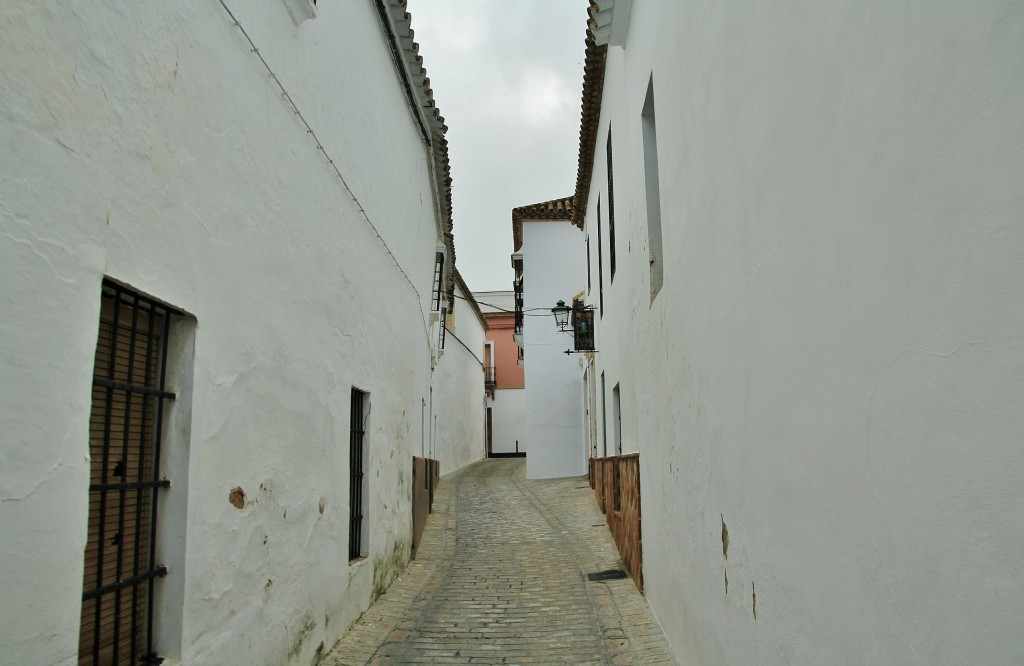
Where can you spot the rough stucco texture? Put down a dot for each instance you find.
(459, 392)
(834, 366)
(553, 269)
(147, 143)
(508, 412)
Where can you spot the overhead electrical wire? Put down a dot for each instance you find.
(547, 311)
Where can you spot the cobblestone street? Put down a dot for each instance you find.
(500, 579)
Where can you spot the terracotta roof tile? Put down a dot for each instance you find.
(590, 115)
(409, 63)
(470, 298)
(556, 209)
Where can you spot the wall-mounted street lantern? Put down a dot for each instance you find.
(561, 312)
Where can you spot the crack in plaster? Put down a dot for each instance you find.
(31, 244)
(50, 473)
(892, 363)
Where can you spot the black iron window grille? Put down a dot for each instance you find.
(600, 262)
(435, 298)
(357, 475)
(611, 208)
(128, 402)
(517, 290)
(588, 265)
(444, 328)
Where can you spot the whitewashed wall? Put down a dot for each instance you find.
(508, 411)
(459, 391)
(146, 142)
(554, 267)
(834, 366)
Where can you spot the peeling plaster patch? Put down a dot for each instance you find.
(160, 156)
(157, 68)
(725, 539)
(237, 497)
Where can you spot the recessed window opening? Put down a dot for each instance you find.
(125, 485)
(617, 419)
(604, 418)
(600, 261)
(435, 298)
(490, 377)
(611, 206)
(444, 328)
(359, 478)
(649, 130)
(588, 265)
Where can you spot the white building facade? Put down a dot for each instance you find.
(813, 322)
(458, 388)
(551, 261)
(246, 202)
(506, 398)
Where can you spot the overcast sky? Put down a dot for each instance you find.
(507, 77)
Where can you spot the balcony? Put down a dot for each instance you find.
(490, 380)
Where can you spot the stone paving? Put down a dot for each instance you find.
(500, 579)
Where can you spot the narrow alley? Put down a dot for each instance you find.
(501, 577)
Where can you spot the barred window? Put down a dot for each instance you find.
(358, 462)
(128, 402)
(435, 298)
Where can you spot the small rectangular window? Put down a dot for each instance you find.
(604, 418)
(617, 419)
(444, 328)
(611, 207)
(588, 265)
(653, 191)
(600, 261)
(359, 478)
(435, 298)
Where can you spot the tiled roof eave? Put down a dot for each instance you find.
(429, 116)
(555, 209)
(470, 298)
(590, 115)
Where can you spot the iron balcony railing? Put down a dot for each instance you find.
(517, 288)
(490, 378)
